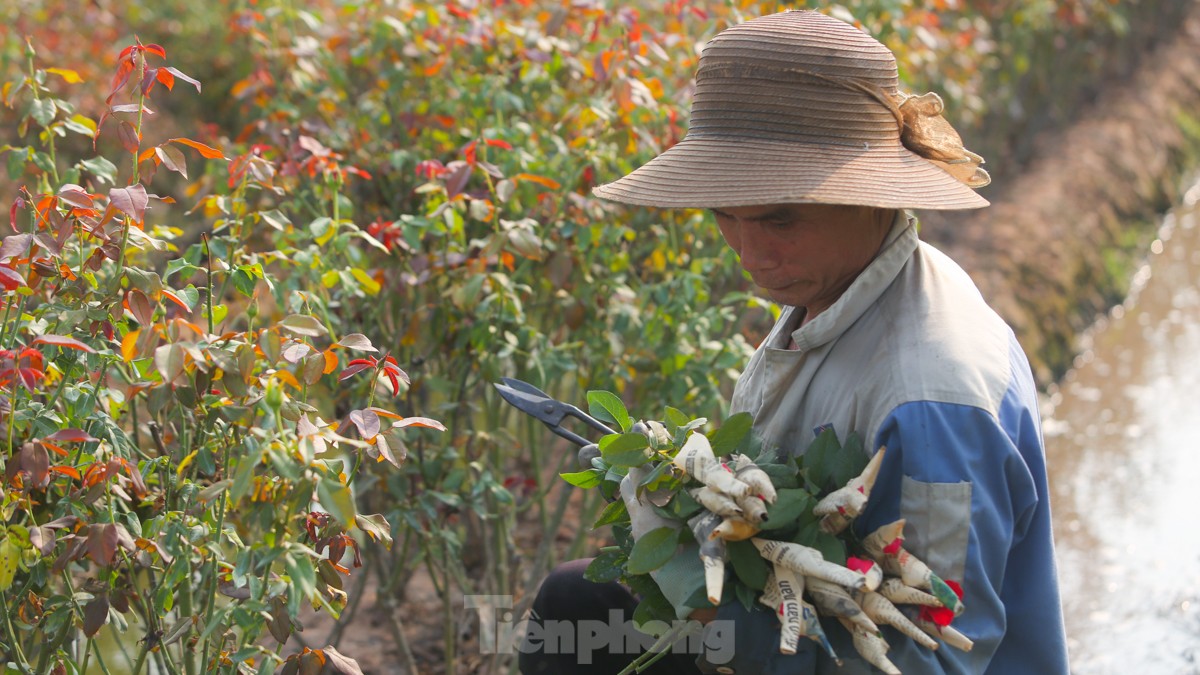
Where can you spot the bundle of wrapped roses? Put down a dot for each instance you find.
(770, 529)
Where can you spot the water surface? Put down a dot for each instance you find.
(1123, 445)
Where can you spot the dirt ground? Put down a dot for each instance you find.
(1037, 254)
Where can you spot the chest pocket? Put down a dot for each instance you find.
(939, 524)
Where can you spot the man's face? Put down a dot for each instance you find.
(804, 255)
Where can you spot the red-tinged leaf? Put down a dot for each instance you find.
(72, 436)
(148, 81)
(386, 413)
(95, 615)
(341, 664)
(540, 180)
(204, 150)
(151, 546)
(139, 487)
(15, 246)
(423, 422)
(394, 371)
(314, 146)
(305, 427)
(185, 78)
(68, 471)
(30, 376)
(295, 352)
(102, 543)
(125, 68)
(11, 280)
(75, 196)
(356, 341)
(458, 173)
(392, 378)
(130, 140)
(36, 461)
(138, 304)
(156, 50)
(370, 361)
(164, 75)
(130, 108)
(469, 152)
(62, 341)
(170, 295)
(353, 370)
(43, 538)
(172, 158)
(496, 143)
(366, 422)
(130, 200)
(384, 448)
(56, 449)
(17, 205)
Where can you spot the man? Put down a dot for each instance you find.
(809, 157)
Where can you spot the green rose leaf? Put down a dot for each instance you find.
(748, 564)
(789, 505)
(612, 513)
(831, 548)
(848, 463)
(584, 479)
(674, 419)
(337, 500)
(683, 506)
(608, 566)
(653, 550)
(731, 434)
(606, 407)
(630, 449)
(820, 458)
(783, 476)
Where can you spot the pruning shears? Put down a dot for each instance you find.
(550, 411)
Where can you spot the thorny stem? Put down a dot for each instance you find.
(29, 54)
(208, 257)
(126, 222)
(4, 322)
(657, 651)
(212, 586)
(22, 662)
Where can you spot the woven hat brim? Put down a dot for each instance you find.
(716, 172)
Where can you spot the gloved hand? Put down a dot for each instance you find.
(741, 641)
(642, 517)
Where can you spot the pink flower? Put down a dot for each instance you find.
(894, 547)
(938, 616)
(859, 564)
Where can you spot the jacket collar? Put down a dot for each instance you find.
(897, 248)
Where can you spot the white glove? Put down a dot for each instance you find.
(642, 516)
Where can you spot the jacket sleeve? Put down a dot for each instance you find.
(972, 486)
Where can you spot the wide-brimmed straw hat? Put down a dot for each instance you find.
(800, 107)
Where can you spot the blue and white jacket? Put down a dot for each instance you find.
(911, 358)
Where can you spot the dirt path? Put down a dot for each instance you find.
(1061, 240)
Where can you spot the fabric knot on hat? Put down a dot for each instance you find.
(925, 132)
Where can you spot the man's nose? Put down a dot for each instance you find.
(757, 252)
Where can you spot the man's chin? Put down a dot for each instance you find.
(779, 296)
